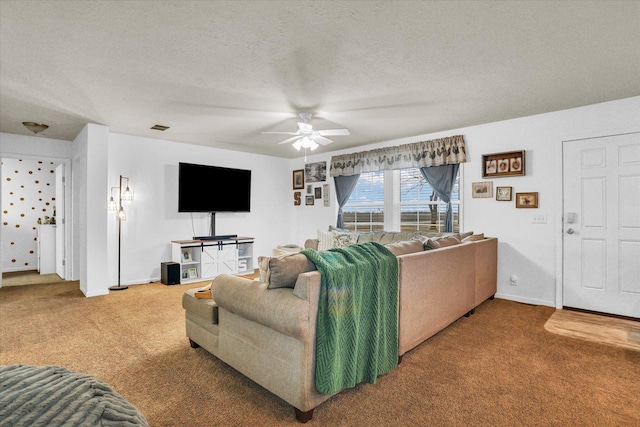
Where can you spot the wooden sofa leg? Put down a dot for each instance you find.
(193, 344)
(303, 417)
(470, 312)
(492, 297)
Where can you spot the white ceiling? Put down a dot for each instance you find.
(221, 72)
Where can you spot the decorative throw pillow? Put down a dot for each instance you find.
(263, 265)
(325, 240)
(285, 270)
(442, 242)
(341, 239)
(465, 235)
(474, 237)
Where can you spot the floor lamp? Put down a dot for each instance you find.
(124, 194)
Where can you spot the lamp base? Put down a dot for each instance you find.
(118, 288)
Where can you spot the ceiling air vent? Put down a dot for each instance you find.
(159, 127)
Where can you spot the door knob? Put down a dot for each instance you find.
(570, 231)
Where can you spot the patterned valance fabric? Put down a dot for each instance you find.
(436, 152)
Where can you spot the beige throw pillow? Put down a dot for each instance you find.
(284, 271)
(405, 247)
(474, 237)
(442, 242)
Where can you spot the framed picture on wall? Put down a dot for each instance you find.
(503, 194)
(496, 165)
(318, 192)
(298, 179)
(482, 190)
(526, 200)
(310, 200)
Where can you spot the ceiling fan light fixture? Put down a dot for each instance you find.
(35, 127)
(297, 145)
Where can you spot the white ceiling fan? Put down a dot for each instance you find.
(307, 137)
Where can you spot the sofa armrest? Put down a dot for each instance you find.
(278, 309)
(311, 244)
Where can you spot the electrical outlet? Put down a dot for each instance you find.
(513, 280)
(539, 219)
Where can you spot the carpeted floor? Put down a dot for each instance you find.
(499, 367)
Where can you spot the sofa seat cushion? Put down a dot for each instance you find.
(206, 309)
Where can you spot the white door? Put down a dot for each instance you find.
(60, 222)
(601, 259)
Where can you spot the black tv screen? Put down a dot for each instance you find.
(203, 188)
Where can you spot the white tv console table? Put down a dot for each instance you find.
(205, 259)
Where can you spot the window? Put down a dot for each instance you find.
(365, 209)
(420, 207)
(406, 203)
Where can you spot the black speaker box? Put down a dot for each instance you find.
(170, 273)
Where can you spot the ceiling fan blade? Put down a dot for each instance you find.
(282, 133)
(290, 139)
(305, 127)
(333, 132)
(321, 139)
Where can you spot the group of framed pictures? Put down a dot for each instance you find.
(313, 172)
(500, 165)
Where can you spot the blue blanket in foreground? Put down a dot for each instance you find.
(357, 326)
(50, 396)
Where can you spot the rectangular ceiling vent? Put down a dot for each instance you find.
(159, 127)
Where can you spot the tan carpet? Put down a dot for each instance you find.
(593, 327)
(28, 277)
(499, 367)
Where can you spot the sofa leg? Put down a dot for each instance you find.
(470, 312)
(400, 359)
(303, 417)
(492, 297)
(193, 344)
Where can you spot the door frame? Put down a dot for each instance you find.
(560, 198)
(68, 244)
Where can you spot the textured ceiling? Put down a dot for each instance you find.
(219, 73)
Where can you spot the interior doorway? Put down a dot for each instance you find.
(35, 197)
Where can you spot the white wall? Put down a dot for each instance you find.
(528, 251)
(153, 219)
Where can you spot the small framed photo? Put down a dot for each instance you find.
(186, 255)
(298, 179)
(185, 274)
(318, 192)
(482, 190)
(309, 200)
(526, 200)
(497, 165)
(309, 189)
(193, 273)
(503, 194)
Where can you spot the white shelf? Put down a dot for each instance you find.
(205, 259)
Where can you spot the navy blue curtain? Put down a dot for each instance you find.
(344, 188)
(442, 179)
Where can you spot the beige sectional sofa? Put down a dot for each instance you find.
(267, 331)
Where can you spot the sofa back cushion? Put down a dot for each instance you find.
(405, 247)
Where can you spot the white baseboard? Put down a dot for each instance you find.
(525, 300)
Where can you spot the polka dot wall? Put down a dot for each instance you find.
(28, 194)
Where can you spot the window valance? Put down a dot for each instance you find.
(436, 152)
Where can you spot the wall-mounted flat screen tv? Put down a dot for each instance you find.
(203, 188)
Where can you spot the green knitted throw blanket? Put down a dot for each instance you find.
(357, 326)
